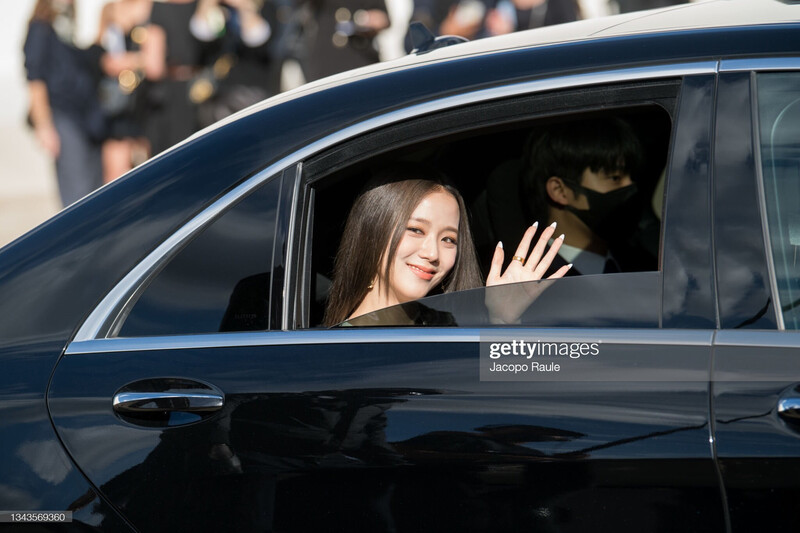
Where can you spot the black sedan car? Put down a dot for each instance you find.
(163, 361)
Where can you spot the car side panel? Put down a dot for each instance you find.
(372, 436)
(36, 474)
(357, 433)
(756, 448)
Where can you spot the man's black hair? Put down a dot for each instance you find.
(566, 149)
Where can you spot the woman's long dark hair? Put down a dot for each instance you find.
(374, 227)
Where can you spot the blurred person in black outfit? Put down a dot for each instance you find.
(247, 66)
(173, 58)
(516, 15)
(475, 19)
(122, 33)
(464, 18)
(340, 35)
(62, 85)
(626, 6)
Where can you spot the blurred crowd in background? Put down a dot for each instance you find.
(161, 70)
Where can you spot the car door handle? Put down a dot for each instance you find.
(184, 401)
(789, 409)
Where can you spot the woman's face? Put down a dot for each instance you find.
(427, 249)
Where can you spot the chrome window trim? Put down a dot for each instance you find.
(761, 64)
(93, 326)
(762, 201)
(767, 338)
(389, 335)
(290, 247)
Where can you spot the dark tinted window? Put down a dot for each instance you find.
(220, 281)
(779, 122)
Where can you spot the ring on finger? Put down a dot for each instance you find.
(518, 258)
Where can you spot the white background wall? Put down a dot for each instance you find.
(28, 192)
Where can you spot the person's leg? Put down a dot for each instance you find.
(79, 164)
(116, 158)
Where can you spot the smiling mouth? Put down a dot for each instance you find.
(421, 272)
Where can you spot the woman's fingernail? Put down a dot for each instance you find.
(561, 236)
(553, 225)
(535, 224)
(500, 244)
(569, 266)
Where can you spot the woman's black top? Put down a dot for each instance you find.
(70, 74)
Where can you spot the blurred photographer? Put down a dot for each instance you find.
(340, 35)
(245, 65)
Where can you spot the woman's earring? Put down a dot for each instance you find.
(371, 286)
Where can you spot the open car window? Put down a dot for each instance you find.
(484, 151)
(488, 168)
(607, 300)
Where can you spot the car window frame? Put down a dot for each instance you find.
(739, 76)
(448, 122)
(754, 69)
(92, 334)
(255, 199)
(107, 318)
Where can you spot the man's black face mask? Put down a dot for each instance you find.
(612, 215)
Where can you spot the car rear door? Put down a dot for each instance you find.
(618, 442)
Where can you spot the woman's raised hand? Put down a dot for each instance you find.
(506, 307)
(525, 267)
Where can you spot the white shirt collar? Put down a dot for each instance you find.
(584, 261)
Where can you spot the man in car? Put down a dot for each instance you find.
(578, 176)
